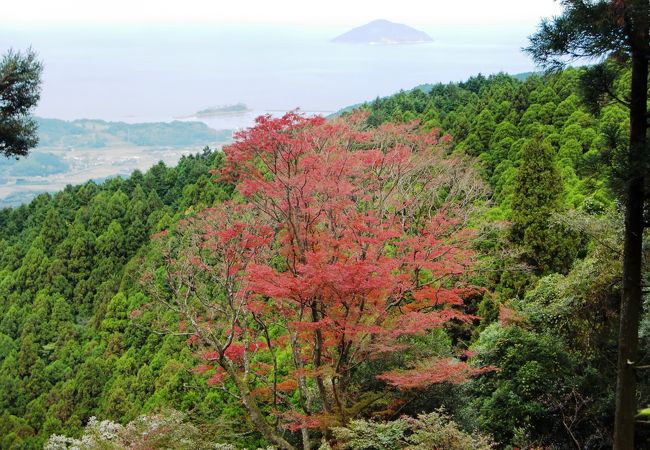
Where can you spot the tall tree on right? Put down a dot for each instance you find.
(598, 29)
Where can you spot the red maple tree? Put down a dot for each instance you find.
(341, 243)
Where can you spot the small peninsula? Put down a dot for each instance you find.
(383, 32)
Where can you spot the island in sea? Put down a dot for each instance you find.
(383, 32)
(215, 111)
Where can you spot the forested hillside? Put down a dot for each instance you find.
(70, 271)
(336, 283)
(549, 151)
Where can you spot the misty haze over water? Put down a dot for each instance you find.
(156, 73)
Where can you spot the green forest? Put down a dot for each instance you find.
(94, 339)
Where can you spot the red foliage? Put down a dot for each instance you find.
(508, 316)
(235, 352)
(217, 378)
(287, 385)
(201, 368)
(337, 244)
(295, 420)
(431, 372)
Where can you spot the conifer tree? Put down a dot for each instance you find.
(538, 188)
(20, 86)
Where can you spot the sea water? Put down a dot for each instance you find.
(157, 73)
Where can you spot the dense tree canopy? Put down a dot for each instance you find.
(308, 224)
(589, 148)
(70, 277)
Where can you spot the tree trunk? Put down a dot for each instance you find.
(631, 296)
(254, 413)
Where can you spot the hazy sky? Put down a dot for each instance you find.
(145, 60)
(330, 12)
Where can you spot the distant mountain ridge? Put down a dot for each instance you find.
(95, 133)
(383, 32)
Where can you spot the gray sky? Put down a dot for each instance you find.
(298, 12)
